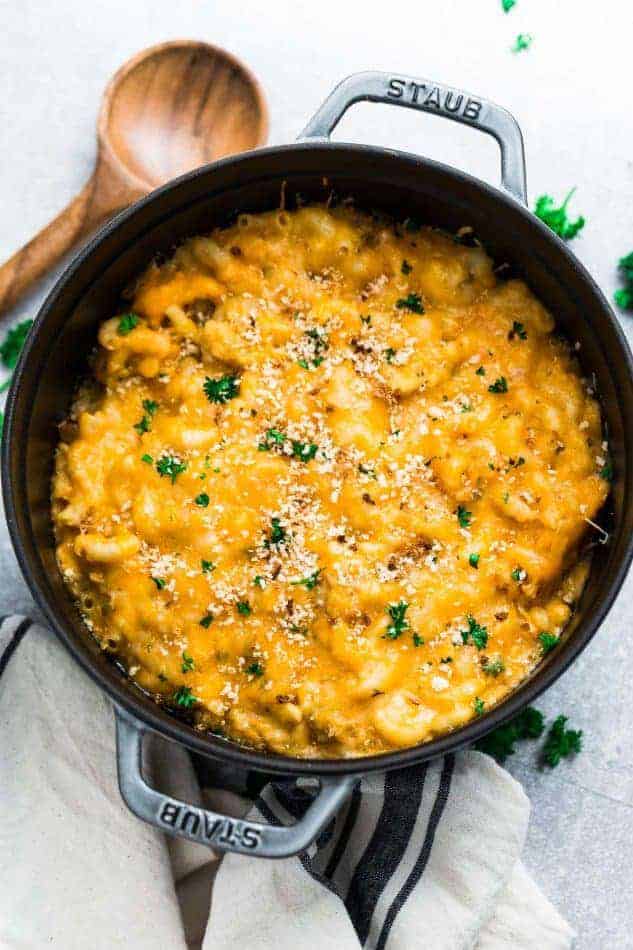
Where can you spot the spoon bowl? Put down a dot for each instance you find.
(177, 106)
(169, 109)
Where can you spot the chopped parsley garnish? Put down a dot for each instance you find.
(366, 320)
(606, 472)
(406, 267)
(500, 743)
(523, 41)
(309, 582)
(273, 437)
(11, 347)
(464, 516)
(244, 608)
(517, 330)
(255, 669)
(518, 575)
(476, 633)
(304, 451)
(127, 323)
(412, 302)
(369, 472)
(170, 467)
(473, 560)
(418, 641)
(259, 581)
(389, 354)
(467, 407)
(556, 218)
(202, 500)
(547, 640)
(184, 697)
(506, 497)
(479, 705)
(187, 663)
(507, 5)
(147, 459)
(398, 622)
(160, 582)
(320, 343)
(207, 566)
(480, 372)
(206, 621)
(493, 667)
(500, 385)
(624, 296)
(143, 425)
(150, 408)
(277, 533)
(221, 389)
(561, 742)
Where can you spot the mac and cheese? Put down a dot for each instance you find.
(327, 487)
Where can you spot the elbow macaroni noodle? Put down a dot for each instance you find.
(326, 488)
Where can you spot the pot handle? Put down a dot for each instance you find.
(434, 97)
(220, 832)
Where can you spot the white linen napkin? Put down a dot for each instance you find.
(427, 857)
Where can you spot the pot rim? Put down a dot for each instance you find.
(156, 717)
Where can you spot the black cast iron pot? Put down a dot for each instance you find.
(403, 185)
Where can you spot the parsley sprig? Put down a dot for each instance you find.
(476, 633)
(464, 516)
(275, 438)
(500, 385)
(145, 423)
(398, 621)
(547, 640)
(412, 302)
(309, 582)
(624, 296)
(127, 323)
(522, 42)
(499, 743)
(561, 742)
(556, 218)
(184, 697)
(171, 467)
(222, 389)
(319, 343)
(277, 533)
(519, 330)
(11, 347)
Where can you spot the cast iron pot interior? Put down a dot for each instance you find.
(401, 184)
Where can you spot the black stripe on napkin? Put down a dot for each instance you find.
(403, 795)
(14, 642)
(418, 869)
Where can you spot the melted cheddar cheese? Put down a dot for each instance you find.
(326, 489)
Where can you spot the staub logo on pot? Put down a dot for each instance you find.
(435, 97)
(198, 824)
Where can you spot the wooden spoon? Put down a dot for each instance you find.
(169, 109)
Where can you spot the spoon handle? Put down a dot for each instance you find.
(43, 251)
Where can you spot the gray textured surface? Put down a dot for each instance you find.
(579, 131)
